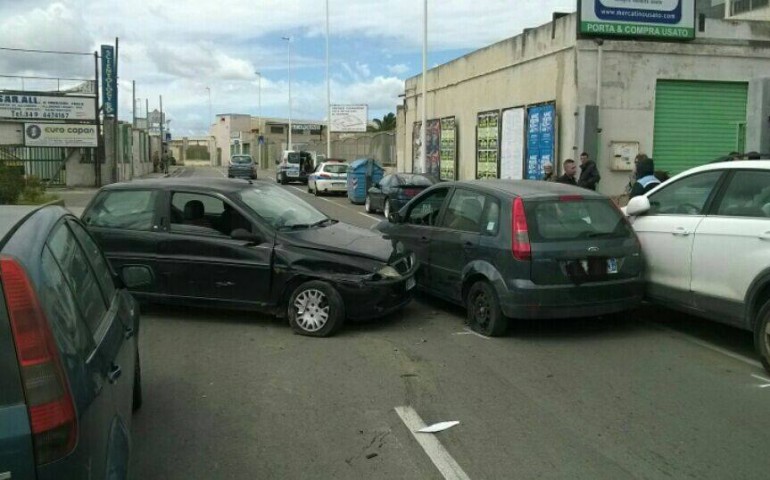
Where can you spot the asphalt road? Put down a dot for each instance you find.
(651, 394)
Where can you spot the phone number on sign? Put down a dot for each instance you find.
(20, 114)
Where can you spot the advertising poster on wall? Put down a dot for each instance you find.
(349, 118)
(26, 106)
(540, 139)
(448, 156)
(659, 19)
(433, 147)
(512, 144)
(416, 147)
(487, 132)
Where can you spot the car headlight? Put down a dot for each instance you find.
(388, 272)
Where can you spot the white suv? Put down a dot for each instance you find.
(706, 240)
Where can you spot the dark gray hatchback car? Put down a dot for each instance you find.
(521, 249)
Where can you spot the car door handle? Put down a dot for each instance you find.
(680, 232)
(424, 239)
(469, 246)
(128, 332)
(765, 236)
(114, 373)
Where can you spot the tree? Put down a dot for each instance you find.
(387, 123)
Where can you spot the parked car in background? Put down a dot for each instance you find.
(250, 245)
(395, 190)
(242, 166)
(294, 167)
(706, 238)
(330, 176)
(521, 249)
(70, 374)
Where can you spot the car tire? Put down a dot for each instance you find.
(483, 310)
(136, 401)
(283, 179)
(368, 205)
(386, 207)
(309, 190)
(762, 335)
(316, 192)
(316, 309)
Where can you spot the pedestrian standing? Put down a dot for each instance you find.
(589, 173)
(164, 161)
(569, 173)
(548, 174)
(645, 177)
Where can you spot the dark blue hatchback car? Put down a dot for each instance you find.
(69, 363)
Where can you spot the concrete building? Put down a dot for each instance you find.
(234, 133)
(547, 95)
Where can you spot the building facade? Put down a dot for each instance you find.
(547, 95)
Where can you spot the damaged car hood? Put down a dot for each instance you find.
(346, 239)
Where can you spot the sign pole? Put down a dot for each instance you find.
(99, 144)
(115, 176)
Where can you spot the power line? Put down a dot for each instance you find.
(44, 51)
(48, 78)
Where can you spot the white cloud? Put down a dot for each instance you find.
(177, 49)
(398, 69)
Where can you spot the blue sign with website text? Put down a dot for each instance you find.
(109, 81)
(540, 140)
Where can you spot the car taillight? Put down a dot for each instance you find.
(411, 192)
(520, 246)
(49, 401)
(324, 175)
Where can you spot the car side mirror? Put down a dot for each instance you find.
(394, 217)
(136, 276)
(377, 185)
(246, 236)
(637, 206)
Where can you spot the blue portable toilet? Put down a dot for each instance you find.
(362, 174)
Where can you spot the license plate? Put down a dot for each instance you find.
(612, 265)
(338, 184)
(410, 283)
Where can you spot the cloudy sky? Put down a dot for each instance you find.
(178, 49)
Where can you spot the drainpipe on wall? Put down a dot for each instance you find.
(599, 54)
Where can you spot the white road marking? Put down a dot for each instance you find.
(712, 347)
(761, 378)
(339, 204)
(447, 465)
(468, 331)
(370, 216)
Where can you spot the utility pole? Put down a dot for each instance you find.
(98, 155)
(160, 126)
(115, 176)
(423, 110)
(288, 54)
(260, 132)
(328, 92)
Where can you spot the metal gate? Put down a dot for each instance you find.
(45, 163)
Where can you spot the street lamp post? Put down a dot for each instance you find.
(208, 89)
(423, 110)
(288, 55)
(260, 133)
(328, 92)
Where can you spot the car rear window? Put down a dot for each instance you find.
(336, 168)
(415, 180)
(127, 209)
(241, 160)
(571, 218)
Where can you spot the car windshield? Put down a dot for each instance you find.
(335, 168)
(281, 209)
(293, 157)
(241, 160)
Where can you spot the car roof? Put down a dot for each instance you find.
(728, 165)
(11, 216)
(525, 188)
(222, 185)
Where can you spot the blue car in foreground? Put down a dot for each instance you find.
(69, 361)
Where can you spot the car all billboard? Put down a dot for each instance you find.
(349, 118)
(654, 19)
(60, 135)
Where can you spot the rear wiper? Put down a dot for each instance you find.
(600, 234)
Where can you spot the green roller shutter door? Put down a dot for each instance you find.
(697, 122)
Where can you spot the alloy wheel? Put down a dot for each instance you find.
(482, 310)
(312, 310)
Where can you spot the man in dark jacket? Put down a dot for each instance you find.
(569, 173)
(645, 177)
(589, 173)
